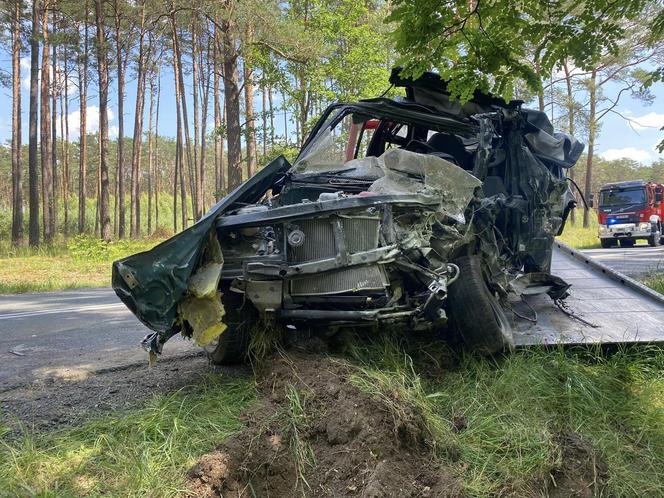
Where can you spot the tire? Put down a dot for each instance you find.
(607, 243)
(626, 242)
(231, 346)
(475, 316)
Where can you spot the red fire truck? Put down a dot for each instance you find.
(629, 211)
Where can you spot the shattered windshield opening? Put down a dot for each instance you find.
(338, 141)
(359, 153)
(346, 136)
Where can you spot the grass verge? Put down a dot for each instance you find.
(581, 238)
(494, 422)
(79, 263)
(145, 452)
(654, 280)
(498, 421)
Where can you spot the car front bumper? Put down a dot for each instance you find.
(625, 231)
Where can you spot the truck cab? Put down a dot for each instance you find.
(629, 211)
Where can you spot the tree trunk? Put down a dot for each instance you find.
(540, 91)
(33, 174)
(592, 129)
(570, 126)
(54, 126)
(138, 134)
(64, 142)
(178, 147)
(54, 122)
(264, 115)
(120, 197)
(83, 139)
(17, 170)
(232, 102)
(102, 69)
(156, 156)
(183, 190)
(304, 104)
(269, 99)
(175, 189)
(177, 63)
(218, 144)
(195, 82)
(98, 185)
(250, 126)
(150, 158)
(283, 105)
(48, 209)
(205, 91)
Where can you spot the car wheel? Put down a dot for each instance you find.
(626, 243)
(607, 243)
(475, 315)
(231, 346)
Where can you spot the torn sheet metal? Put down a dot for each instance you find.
(409, 172)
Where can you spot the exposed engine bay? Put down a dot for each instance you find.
(415, 212)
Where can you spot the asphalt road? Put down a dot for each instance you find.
(69, 335)
(631, 261)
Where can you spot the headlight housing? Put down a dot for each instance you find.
(644, 226)
(603, 229)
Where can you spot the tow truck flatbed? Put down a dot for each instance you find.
(620, 309)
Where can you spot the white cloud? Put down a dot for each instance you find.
(25, 70)
(652, 120)
(92, 122)
(639, 155)
(72, 81)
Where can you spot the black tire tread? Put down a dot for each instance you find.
(473, 309)
(233, 343)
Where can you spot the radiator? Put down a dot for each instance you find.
(358, 278)
(361, 234)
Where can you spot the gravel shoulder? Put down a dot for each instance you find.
(53, 403)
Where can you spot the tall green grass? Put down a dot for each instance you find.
(494, 422)
(145, 452)
(581, 238)
(514, 407)
(82, 261)
(654, 280)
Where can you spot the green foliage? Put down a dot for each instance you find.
(493, 45)
(290, 152)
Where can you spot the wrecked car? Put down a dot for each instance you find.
(418, 212)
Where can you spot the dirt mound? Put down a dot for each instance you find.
(582, 472)
(314, 433)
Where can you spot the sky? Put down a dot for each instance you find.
(634, 137)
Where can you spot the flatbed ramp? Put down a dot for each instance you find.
(616, 308)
